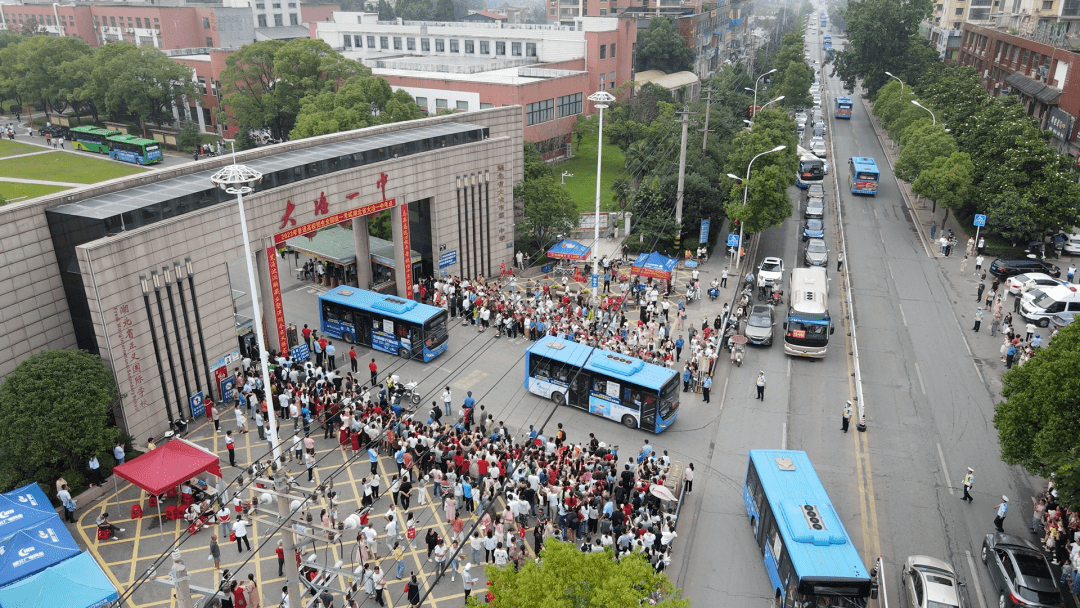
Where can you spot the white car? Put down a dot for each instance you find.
(771, 271)
(818, 148)
(1022, 283)
(931, 583)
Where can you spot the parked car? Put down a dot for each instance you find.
(818, 148)
(813, 229)
(931, 583)
(815, 190)
(772, 270)
(1072, 244)
(1041, 304)
(55, 131)
(1007, 267)
(759, 325)
(816, 254)
(815, 207)
(1022, 283)
(1020, 572)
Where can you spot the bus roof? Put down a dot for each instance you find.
(864, 163)
(606, 362)
(392, 306)
(846, 100)
(93, 129)
(809, 290)
(790, 482)
(134, 139)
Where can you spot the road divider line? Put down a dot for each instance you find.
(918, 373)
(975, 583)
(945, 470)
(903, 317)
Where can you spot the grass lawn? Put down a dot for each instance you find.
(582, 186)
(11, 190)
(11, 148)
(66, 167)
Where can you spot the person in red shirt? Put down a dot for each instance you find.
(374, 373)
(307, 336)
(280, 559)
(352, 358)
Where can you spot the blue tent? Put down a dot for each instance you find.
(34, 549)
(655, 265)
(75, 583)
(23, 508)
(568, 250)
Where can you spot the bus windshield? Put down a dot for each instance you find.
(812, 169)
(807, 329)
(669, 399)
(435, 332)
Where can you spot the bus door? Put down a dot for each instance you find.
(363, 328)
(578, 394)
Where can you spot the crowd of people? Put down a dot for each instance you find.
(1059, 529)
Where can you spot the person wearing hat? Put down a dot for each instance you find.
(847, 416)
(468, 580)
(969, 480)
(761, 385)
(1002, 510)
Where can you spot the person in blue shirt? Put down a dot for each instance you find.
(1002, 510)
(373, 456)
(705, 386)
(678, 348)
(469, 401)
(686, 379)
(467, 494)
(399, 457)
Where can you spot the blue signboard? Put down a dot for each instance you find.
(980, 220)
(198, 405)
(732, 240)
(301, 352)
(595, 281)
(447, 258)
(228, 385)
(704, 238)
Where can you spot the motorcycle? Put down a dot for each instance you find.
(776, 298)
(714, 293)
(692, 294)
(405, 393)
(738, 349)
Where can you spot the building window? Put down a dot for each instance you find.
(1047, 5)
(530, 49)
(500, 48)
(348, 41)
(515, 49)
(463, 106)
(539, 112)
(612, 50)
(397, 43)
(371, 42)
(485, 47)
(960, 11)
(440, 45)
(205, 23)
(425, 45)
(603, 11)
(440, 104)
(202, 84)
(422, 102)
(455, 45)
(484, 106)
(138, 22)
(260, 6)
(470, 47)
(275, 5)
(279, 20)
(570, 105)
(358, 41)
(384, 43)
(611, 76)
(292, 5)
(410, 44)
(209, 42)
(112, 21)
(603, 51)
(294, 19)
(262, 20)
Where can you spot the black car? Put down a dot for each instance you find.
(1006, 267)
(1020, 572)
(55, 131)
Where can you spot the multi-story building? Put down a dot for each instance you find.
(1040, 70)
(547, 69)
(1042, 18)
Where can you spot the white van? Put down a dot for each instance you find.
(1040, 305)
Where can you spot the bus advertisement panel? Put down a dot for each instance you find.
(808, 325)
(384, 322)
(863, 175)
(808, 555)
(843, 107)
(604, 383)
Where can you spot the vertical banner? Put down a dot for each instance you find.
(279, 307)
(704, 237)
(407, 244)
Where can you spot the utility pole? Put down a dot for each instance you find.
(682, 178)
(283, 490)
(705, 131)
(182, 580)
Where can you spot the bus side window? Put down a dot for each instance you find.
(600, 385)
(636, 397)
(347, 316)
(403, 330)
(329, 313)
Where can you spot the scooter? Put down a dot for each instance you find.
(737, 351)
(692, 294)
(776, 298)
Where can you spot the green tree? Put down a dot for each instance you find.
(569, 578)
(882, 35)
(188, 137)
(445, 10)
(947, 181)
(43, 57)
(54, 409)
(661, 48)
(1036, 422)
(535, 167)
(921, 144)
(243, 139)
(386, 12)
(794, 86)
(767, 203)
(415, 10)
(548, 208)
(138, 84)
(361, 101)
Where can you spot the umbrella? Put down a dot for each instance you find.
(661, 492)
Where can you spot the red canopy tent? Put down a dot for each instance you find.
(169, 466)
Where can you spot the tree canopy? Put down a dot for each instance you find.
(54, 409)
(881, 37)
(568, 578)
(547, 206)
(360, 101)
(661, 48)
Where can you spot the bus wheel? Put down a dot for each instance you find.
(558, 398)
(403, 353)
(347, 337)
(629, 422)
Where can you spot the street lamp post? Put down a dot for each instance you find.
(768, 103)
(601, 100)
(746, 195)
(756, 82)
(932, 117)
(891, 75)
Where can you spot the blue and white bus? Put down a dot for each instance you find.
(809, 556)
(863, 175)
(843, 107)
(808, 326)
(604, 383)
(812, 170)
(388, 323)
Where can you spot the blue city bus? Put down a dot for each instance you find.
(863, 175)
(388, 323)
(827, 43)
(134, 149)
(843, 107)
(808, 554)
(603, 383)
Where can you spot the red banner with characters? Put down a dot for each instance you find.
(337, 218)
(406, 244)
(279, 307)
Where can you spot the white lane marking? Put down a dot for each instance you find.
(918, 373)
(902, 315)
(783, 438)
(945, 470)
(975, 580)
(891, 276)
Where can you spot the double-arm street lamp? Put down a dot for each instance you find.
(746, 195)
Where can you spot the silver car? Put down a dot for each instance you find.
(931, 583)
(817, 254)
(759, 325)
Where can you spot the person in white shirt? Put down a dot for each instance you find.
(240, 529)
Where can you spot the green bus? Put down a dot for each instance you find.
(134, 149)
(91, 138)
